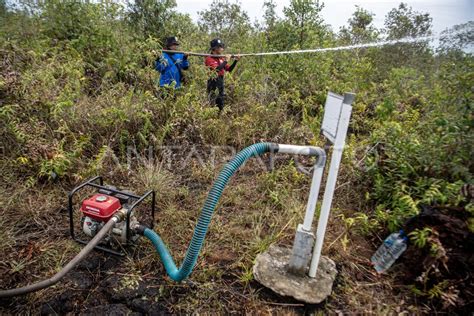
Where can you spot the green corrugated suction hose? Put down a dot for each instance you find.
(205, 218)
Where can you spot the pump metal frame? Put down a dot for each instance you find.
(137, 201)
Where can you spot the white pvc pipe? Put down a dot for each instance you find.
(313, 196)
(325, 209)
(316, 180)
(299, 150)
(331, 182)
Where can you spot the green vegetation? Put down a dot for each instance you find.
(78, 94)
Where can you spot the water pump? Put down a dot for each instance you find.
(108, 219)
(99, 208)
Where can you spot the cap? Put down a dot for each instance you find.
(217, 42)
(173, 40)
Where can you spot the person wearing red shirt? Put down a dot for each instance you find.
(218, 65)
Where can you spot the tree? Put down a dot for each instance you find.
(3, 7)
(68, 20)
(269, 16)
(182, 26)
(458, 38)
(270, 19)
(304, 17)
(404, 22)
(224, 19)
(360, 29)
(400, 23)
(150, 17)
(301, 27)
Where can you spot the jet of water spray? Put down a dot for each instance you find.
(348, 47)
(319, 50)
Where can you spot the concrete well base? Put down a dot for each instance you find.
(271, 270)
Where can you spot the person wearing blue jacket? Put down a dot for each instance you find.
(171, 65)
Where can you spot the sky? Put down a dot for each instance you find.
(445, 13)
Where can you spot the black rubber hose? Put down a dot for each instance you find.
(58, 276)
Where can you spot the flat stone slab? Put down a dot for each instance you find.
(271, 270)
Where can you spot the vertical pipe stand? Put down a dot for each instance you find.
(285, 270)
(304, 238)
(339, 142)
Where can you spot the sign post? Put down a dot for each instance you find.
(335, 125)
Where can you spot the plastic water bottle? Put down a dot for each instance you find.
(392, 248)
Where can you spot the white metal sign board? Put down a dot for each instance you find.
(332, 115)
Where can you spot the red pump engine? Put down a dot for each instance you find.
(98, 210)
(100, 207)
